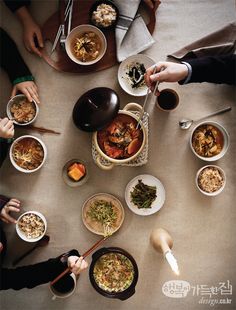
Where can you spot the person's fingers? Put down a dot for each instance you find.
(14, 91)
(84, 265)
(15, 200)
(1, 247)
(34, 94)
(33, 48)
(39, 37)
(4, 220)
(9, 125)
(13, 209)
(14, 204)
(26, 92)
(9, 218)
(4, 121)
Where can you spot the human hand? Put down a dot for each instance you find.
(32, 35)
(6, 128)
(28, 88)
(171, 72)
(11, 205)
(77, 264)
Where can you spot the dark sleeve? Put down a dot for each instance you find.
(4, 146)
(30, 276)
(3, 201)
(14, 5)
(10, 58)
(214, 69)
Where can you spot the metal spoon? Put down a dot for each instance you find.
(42, 242)
(187, 123)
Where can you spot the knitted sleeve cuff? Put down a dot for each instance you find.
(188, 78)
(23, 79)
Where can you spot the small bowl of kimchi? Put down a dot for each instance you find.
(86, 45)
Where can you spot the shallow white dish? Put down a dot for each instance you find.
(22, 235)
(151, 181)
(123, 70)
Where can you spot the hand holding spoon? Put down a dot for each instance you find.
(187, 123)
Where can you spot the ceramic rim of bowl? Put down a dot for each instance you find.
(120, 161)
(22, 235)
(213, 193)
(10, 116)
(225, 145)
(15, 164)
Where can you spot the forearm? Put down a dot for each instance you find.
(14, 5)
(30, 276)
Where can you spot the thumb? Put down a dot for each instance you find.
(39, 38)
(13, 93)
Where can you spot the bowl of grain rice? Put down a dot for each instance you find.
(31, 226)
(210, 180)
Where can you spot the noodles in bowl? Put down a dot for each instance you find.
(28, 154)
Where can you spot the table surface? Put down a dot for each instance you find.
(203, 229)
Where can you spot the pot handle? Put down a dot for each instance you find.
(133, 107)
(102, 166)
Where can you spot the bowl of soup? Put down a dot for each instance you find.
(121, 140)
(28, 154)
(209, 141)
(21, 111)
(86, 45)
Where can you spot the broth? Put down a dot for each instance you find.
(120, 139)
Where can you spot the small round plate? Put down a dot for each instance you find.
(123, 74)
(96, 227)
(151, 181)
(68, 180)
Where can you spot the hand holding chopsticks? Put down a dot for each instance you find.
(67, 270)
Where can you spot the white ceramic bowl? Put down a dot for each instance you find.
(18, 98)
(22, 235)
(123, 77)
(13, 161)
(225, 137)
(220, 189)
(77, 31)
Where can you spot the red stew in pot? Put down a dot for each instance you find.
(120, 139)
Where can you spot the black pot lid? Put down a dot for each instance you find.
(96, 108)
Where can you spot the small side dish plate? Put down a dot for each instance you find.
(67, 179)
(96, 227)
(123, 74)
(151, 181)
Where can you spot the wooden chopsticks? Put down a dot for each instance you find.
(67, 270)
(40, 129)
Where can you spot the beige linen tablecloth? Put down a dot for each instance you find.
(203, 228)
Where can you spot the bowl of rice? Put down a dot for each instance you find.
(210, 180)
(31, 226)
(104, 14)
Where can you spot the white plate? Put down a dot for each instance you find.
(122, 74)
(151, 181)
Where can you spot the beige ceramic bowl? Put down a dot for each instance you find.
(225, 138)
(77, 31)
(15, 164)
(217, 192)
(21, 234)
(130, 106)
(19, 98)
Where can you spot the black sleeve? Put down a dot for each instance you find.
(4, 146)
(214, 69)
(14, 5)
(3, 201)
(30, 276)
(10, 58)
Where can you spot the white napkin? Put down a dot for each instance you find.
(132, 35)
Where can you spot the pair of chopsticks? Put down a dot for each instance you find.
(146, 97)
(67, 270)
(40, 129)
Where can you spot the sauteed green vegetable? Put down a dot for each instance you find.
(143, 195)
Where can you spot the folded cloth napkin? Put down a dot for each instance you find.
(222, 41)
(132, 35)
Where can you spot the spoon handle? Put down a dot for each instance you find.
(215, 113)
(16, 261)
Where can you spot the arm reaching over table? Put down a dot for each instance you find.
(213, 69)
(32, 35)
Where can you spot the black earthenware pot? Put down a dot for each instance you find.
(119, 295)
